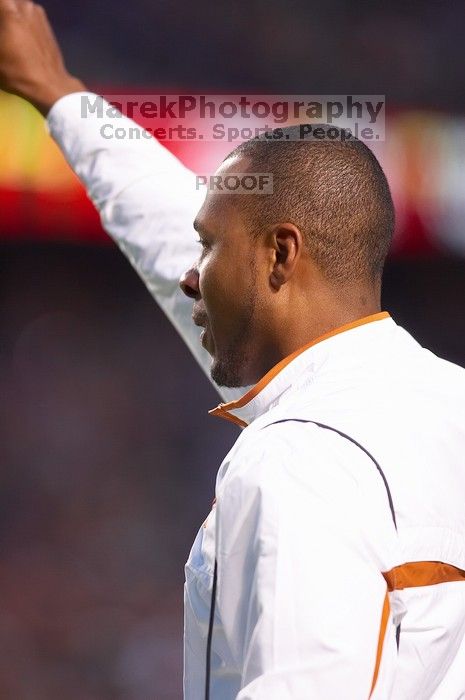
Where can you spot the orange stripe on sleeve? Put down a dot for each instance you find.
(411, 575)
(382, 633)
(421, 573)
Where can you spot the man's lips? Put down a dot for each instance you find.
(200, 320)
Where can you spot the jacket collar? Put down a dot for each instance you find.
(283, 376)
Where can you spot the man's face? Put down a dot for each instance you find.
(225, 286)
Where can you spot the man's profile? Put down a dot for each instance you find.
(329, 222)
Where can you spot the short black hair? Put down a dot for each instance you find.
(333, 188)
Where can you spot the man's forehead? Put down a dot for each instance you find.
(238, 163)
(218, 213)
(221, 209)
(213, 218)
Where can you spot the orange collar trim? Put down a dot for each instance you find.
(223, 409)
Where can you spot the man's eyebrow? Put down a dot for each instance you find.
(200, 228)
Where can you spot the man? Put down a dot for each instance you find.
(339, 511)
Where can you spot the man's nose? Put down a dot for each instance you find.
(189, 282)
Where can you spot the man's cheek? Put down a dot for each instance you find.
(221, 284)
(214, 278)
(221, 308)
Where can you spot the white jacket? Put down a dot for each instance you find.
(313, 576)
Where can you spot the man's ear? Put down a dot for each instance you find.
(287, 242)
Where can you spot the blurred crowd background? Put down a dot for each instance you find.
(108, 456)
(413, 51)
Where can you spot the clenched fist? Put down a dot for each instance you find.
(31, 63)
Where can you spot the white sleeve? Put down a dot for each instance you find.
(300, 554)
(147, 201)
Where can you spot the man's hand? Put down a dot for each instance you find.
(31, 63)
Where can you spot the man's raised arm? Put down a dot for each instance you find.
(146, 198)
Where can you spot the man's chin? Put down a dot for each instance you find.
(226, 375)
